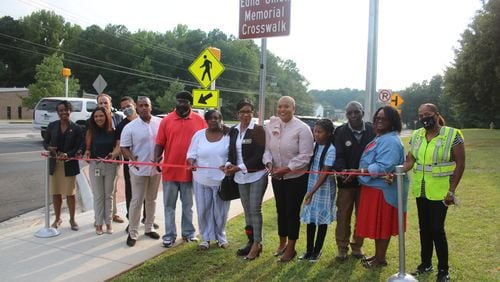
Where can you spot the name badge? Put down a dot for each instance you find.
(246, 141)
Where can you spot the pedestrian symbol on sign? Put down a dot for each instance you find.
(207, 64)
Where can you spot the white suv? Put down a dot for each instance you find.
(45, 111)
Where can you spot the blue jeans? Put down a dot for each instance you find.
(171, 190)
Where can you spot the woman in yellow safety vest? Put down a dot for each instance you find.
(437, 157)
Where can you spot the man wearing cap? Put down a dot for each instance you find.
(350, 139)
(173, 140)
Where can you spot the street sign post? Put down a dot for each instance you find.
(396, 100)
(99, 84)
(206, 68)
(205, 98)
(384, 95)
(260, 19)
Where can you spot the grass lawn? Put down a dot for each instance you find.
(471, 230)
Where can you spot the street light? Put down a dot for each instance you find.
(66, 72)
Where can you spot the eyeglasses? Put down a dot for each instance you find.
(245, 112)
(381, 119)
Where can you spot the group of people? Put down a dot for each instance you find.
(192, 155)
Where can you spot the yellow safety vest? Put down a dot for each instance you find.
(433, 162)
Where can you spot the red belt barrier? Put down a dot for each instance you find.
(164, 165)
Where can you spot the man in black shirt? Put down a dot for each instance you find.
(350, 139)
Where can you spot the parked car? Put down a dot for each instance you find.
(45, 111)
(309, 120)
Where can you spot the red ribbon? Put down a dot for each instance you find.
(164, 165)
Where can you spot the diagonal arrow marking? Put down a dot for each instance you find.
(203, 99)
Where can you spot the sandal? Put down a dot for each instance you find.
(109, 229)
(366, 259)
(282, 259)
(279, 252)
(374, 263)
(98, 230)
(74, 225)
(56, 224)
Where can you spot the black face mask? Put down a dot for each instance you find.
(182, 110)
(428, 122)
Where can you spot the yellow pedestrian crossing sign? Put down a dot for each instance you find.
(206, 68)
(205, 98)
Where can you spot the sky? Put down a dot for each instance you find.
(328, 39)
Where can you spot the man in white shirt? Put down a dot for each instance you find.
(137, 142)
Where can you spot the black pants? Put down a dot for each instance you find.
(128, 190)
(431, 217)
(289, 194)
(320, 239)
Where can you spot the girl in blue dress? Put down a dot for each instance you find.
(319, 202)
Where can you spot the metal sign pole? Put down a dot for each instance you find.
(401, 276)
(262, 86)
(371, 65)
(47, 231)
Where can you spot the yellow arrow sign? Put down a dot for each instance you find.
(206, 68)
(204, 98)
(396, 100)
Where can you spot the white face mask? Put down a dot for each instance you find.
(128, 111)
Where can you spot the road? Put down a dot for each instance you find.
(21, 170)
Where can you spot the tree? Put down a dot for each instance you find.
(49, 82)
(167, 102)
(472, 84)
(418, 94)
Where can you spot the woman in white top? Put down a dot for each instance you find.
(207, 156)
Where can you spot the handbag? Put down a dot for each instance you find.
(228, 189)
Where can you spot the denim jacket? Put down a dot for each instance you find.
(382, 155)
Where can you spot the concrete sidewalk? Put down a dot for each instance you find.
(80, 255)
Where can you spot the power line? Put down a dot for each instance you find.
(163, 49)
(151, 75)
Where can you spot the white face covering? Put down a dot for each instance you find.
(128, 111)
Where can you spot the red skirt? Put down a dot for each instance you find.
(376, 218)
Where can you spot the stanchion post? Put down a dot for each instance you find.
(47, 231)
(401, 276)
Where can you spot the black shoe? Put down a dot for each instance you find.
(244, 250)
(315, 256)
(443, 276)
(155, 226)
(422, 270)
(130, 241)
(306, 256)
(152, 235)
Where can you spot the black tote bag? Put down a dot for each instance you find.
(228, 189)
